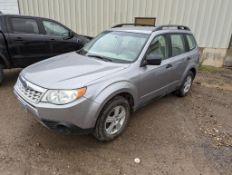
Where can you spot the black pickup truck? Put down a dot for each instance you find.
(25, 40)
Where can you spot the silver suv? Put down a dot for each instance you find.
(96, 88)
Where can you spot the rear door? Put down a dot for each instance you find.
(177, 60)
(61, 38)
(26, 43)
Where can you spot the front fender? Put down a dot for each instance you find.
(116, 88)
(104, 95)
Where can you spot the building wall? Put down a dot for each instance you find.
(9, 6)
(210, 20)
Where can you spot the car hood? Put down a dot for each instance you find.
(69, 71)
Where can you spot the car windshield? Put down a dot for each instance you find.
(116, 46)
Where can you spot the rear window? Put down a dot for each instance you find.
(24, 25)
(177, 44)
(191, 42)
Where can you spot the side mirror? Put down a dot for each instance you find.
(69, 35)
(153, 59)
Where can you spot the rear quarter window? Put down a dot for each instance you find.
(191, 42)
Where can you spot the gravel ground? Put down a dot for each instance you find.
(191, 135)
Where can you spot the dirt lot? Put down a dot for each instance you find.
(191, 135)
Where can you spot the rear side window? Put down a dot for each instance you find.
(191, 42)
(24, 25)
(177, 44)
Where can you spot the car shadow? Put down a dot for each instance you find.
(54, 140)
(10, 77)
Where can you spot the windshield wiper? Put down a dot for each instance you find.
(100, 57)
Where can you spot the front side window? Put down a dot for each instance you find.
(116, 45)
(55, 29)
(191, 42)
(177, 44)
(24, 25)
(158, 47)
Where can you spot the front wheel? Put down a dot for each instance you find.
(1, 75)
(113, 119)
(186, 85)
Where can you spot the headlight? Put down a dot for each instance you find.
(63, 96)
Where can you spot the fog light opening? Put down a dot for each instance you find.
(63, 129)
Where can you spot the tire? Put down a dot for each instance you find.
(186, 85)
(1, 75)
(113, 119)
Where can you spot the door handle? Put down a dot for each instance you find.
(52, 39)
(19, 39)
(189, 58)
(168, 66)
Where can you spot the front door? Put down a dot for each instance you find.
(155, 80)
(60, 37)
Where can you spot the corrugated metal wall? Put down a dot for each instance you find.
(210, 20)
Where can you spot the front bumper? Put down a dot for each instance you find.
(79, 116)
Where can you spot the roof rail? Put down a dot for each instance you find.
(161, 27)
(131, 24)
(178, 27)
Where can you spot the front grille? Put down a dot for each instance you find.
(29, 91)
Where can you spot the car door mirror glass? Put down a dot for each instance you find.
(154, 59)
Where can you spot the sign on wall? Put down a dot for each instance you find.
(145, 21)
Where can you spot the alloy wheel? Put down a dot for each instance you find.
(115, 120)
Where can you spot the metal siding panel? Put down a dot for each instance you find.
(168, 14)
(225, 24)
(148, 7)
(207, 33)
(124, 11)
(210, 20)
(202, 15)
(95, 18)
(67, 13)
(84, 16)
(36, 9)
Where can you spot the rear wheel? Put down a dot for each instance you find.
(113, 119)
(186, 85)
(1, 75)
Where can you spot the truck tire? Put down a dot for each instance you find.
(113, 119)
(1, 75)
